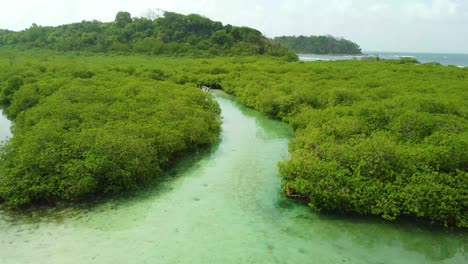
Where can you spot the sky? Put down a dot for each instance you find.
(376, 25)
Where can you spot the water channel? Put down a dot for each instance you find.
(4, 127)
(220, 206)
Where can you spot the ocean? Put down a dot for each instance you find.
(460, 60)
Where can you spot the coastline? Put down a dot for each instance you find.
(458, 60)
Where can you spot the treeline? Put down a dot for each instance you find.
(91, 126)
(171, 34)
(385, 138)
(318, 44)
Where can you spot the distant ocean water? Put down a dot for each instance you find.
(443, 58)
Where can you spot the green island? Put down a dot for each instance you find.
(96, 112)
(319, 45)
(172, 34)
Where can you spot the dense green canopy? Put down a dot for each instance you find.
(387, 138)
(318, 44)
(93, 126)
(172, 34)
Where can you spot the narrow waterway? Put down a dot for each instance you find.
(4, 127)
(220, 206)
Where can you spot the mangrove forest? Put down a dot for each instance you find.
(103, 108)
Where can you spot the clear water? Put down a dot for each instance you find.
(220, 206)
(4, 127)
(443, 58)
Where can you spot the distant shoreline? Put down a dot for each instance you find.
(459, 60)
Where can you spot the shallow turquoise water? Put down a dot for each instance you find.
(220, 206)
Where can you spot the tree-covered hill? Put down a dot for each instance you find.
(318, 44)
(171, 34)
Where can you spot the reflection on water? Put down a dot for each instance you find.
(221, 205)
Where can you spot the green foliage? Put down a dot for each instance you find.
(157, 74)
(407, 60)
(371, 137)
(84, 74)
(86, 128)
(12, 85)
(318, 44)
(122, 19)
(171, 34)
(384, 138)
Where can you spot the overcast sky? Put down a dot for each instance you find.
(376, 25)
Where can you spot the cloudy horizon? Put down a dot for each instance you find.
(376, 25)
